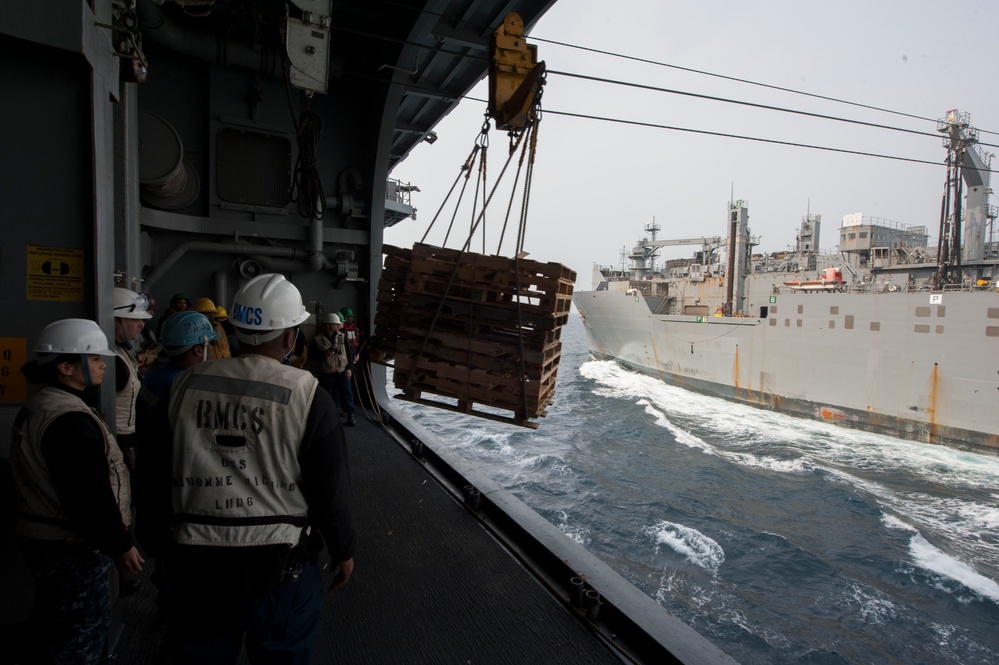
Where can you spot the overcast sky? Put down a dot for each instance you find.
(597, 184)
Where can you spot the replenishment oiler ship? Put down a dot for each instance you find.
(887, 334)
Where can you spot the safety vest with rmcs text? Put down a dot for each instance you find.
(237, 438)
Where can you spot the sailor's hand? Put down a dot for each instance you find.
(343, 574)
(130, 562)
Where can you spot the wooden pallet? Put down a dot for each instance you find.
(481, 330)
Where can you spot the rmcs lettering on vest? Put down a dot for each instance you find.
(224, 415)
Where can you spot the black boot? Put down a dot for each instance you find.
(350, 420)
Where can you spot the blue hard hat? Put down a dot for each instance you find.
(187, 329)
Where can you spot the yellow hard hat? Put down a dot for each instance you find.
(204, 305)
(220, 313)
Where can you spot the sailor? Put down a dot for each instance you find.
(73, 494)
(130, 315)
(219, 347)
(186, 338)
(335, 367)
(222, 317)
(251, 478)
(355, 344)
(178, 303)
(351, 332)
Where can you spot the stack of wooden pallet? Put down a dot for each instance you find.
(481, 330)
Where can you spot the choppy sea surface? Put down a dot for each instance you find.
(779, 539)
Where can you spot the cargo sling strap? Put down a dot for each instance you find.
(528, 151)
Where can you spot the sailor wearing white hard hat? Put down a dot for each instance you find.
(265, 426)
(130, 316)
(73, 494)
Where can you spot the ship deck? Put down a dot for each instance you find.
(433, 583)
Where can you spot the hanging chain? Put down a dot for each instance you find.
(127, 42)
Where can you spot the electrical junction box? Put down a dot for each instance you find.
(307, 42)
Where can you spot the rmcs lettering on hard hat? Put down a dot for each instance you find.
(265, 306)
(248, 316)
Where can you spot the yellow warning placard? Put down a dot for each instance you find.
(55, 273)
(13, 354)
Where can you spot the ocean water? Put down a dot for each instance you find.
(781, 540)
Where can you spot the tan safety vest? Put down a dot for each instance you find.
(334, 358)
(42, 516)
(219, 347)
(238, 428)
(124, 401)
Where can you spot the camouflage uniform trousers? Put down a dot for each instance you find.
(72, 613)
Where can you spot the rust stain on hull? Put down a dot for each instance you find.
(735, 369)
(931, 411)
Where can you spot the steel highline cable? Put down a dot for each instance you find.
(663, 90)
(746, 81)
(653, 125)
(637, 123)
(658, 63)
(726, 100)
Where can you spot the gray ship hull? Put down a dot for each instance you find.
(918, 366)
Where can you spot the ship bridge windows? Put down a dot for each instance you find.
(922, 311)
(992, 331)
(875, 326)
(993, 312)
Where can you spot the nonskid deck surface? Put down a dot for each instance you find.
(430, 584)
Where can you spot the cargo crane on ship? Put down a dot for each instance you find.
(962, 237)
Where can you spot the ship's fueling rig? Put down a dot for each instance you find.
(873, 255)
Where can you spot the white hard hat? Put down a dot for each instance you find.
(130, 305)
(332, 317)
(72, 336)
(268, 303)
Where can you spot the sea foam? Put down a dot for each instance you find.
(698, 549)
(935, 560)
